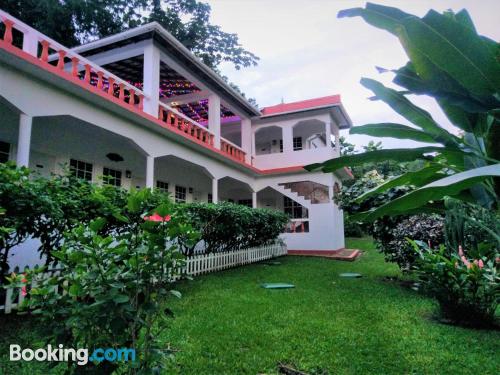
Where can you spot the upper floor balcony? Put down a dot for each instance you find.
(147, 71)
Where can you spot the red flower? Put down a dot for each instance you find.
(23, 291)
(157, 218)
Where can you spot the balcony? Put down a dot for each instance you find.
(29, 44)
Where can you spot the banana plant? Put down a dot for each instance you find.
(451, 62)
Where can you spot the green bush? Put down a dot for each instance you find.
(116, 284)
(391, 236)
(468, 291)
(228, 226)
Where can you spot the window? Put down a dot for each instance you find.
(4, 152)
(210, 198)
(281, 145)
(294, 210)
(81, 169)
(180, 194)
(246, 202)
(112, 176)
(162, 186)
(297, 143)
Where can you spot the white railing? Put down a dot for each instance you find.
(94, 75)
(194, 265)
(177, 120)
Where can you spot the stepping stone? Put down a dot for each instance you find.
(351, 275)
(277, 286)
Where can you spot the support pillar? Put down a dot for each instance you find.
(246, 139)
(150, 172)
(151, 79)
(254, 199)
(328, 132)
(214, 118)
(215, 190)
(287, 138)
(24, 140)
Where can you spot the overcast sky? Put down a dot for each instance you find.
(306, 52)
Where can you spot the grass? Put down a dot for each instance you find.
(227, 324)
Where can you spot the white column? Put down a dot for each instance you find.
(151, 79)
(150, 172)
(24, 140)
(287, 138)
(254, 199)
(214, 118)
(337, 140)
(246, 138)
(215, 190)
(328, 133)
(30, 43)
(330, 192)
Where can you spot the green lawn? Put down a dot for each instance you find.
(226, 324)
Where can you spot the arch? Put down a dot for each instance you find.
(268, 140)
(309, 134)
(233, 190)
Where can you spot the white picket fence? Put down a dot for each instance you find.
(194, 265)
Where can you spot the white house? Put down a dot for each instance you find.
(141, 109)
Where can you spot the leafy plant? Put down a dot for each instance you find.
(461, 70)
(391, 237)
(116, 285)
(468, 291)
(228, 226)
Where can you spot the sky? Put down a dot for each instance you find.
(306, 51)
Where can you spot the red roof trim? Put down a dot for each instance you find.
(301, 105)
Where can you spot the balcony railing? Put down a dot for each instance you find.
(179, 121)
(64, 61)
(69, 62)
(232, 150)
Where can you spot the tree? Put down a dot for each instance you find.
(460, 69)
(73, 22)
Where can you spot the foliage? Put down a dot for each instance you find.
(473, 228)
(468, 292)
(24, 205)
(391, 237)
(247, 324)
(228, 226)
(75, 22)
(116, 284)
(460, 69)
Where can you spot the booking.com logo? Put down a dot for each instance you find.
(80, 356)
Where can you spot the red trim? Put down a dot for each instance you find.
(105, 95)
(340, 254)
(301, 105)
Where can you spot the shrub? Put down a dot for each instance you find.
(116, 284)
(391, 236)
(228, 226)
(467, 291)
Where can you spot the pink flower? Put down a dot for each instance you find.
(460, 251)
(23, 291)
(158, 218)
(480, 263)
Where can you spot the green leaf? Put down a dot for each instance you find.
(417, 178)
(121, 298)
(396, 154)
(392, 130)
(387, 18)
(97, 224)
(411, 112)
(457, 50)
(448, 186)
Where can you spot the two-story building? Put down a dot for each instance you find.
(142, 110)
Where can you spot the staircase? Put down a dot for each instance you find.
(310, 191)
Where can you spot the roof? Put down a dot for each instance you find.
(303, 105)
(155, 31)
